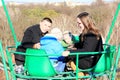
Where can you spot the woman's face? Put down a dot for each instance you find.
(80, 25)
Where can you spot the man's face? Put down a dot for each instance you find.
(45, 26)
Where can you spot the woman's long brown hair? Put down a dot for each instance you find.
(88, 24)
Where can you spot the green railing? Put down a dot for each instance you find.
(113, 24)
(10, 23)
(3, 60)
(105, 64)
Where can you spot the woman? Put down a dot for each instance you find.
(90, 41)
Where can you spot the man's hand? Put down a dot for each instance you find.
(36, 46)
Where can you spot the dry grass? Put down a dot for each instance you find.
(66, 20)
(2, 75)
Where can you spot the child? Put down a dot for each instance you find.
(67, 42)
(50, 43)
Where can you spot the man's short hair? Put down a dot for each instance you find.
(47, 19)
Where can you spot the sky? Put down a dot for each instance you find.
(83, 1)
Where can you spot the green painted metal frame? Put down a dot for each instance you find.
(4, 61)
(116, 63)
(93, 77)
(10, 24)
(113, 24)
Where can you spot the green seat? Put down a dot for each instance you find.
(38, 65)
(105, 61)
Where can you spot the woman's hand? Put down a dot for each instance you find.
(36, 46)
(65, 53)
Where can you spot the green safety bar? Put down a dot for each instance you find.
(116, 63)
(113, 23)
(10, 23)
(3, 60)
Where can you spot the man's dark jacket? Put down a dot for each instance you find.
(31, 36)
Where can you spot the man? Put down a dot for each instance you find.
(31, 38)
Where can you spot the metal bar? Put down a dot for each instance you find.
(113, 24)
(10, 23)
(3, 60)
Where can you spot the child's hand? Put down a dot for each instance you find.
(65, 53)
(71, 46)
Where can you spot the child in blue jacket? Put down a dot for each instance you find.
(51, 44)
